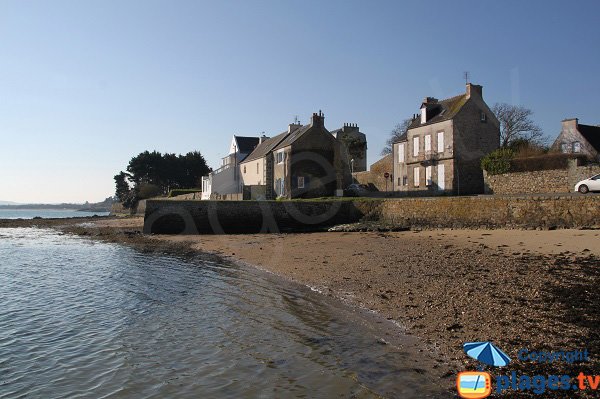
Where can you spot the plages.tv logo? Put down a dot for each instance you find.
(478, 384)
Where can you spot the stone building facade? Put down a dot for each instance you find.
(443, 146)
(354, 146)
(303, 162)
(575, 138)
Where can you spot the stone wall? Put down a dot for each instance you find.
(375, 176)
(220, 217)
(540, 181)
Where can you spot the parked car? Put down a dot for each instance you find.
(591, 184)
(356, 190)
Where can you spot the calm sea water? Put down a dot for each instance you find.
(83, 319)
(45, 213)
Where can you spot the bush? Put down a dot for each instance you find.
(182, 191)
(498, 161)
(147, 190)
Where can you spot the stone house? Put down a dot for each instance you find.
(226, 179)
(302, 162)
(441, 151)
(575, 138)
(354, 146)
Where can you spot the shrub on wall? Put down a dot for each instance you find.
(498, 161)
(182, 191)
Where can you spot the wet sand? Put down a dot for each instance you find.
(518, 288)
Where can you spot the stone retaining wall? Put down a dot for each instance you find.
(205, 217)
(545, 212)
(219, 217)
(541, 181)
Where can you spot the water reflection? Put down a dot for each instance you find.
(85, 319)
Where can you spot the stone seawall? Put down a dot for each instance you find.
(544, 212)
(220, 217)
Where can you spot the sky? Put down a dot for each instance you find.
(87, 85)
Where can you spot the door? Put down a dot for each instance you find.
(441, 177)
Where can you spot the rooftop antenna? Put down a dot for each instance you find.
(296, 121)
(466, 77)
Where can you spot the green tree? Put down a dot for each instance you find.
(122, 186)
(154, 173)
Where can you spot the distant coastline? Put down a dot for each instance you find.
(104, 206)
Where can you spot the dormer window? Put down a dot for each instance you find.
(483, 116)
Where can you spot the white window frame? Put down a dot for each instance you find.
(401, 153)
(416, 146)
(441, 178)
(416, 176)
(440, 142)
(576, 147)
(428, 178)
(280, 156)
(428, 143)
(483, 116)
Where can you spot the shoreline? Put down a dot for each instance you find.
(517, 288)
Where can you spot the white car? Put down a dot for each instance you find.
(591, 184)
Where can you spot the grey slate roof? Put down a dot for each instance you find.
(591, 134)
(246, 144)
(292, 137)
(442, 111)
(265, 147)
(402, 137)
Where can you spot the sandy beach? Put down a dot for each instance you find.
(518, 288)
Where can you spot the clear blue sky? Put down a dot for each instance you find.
(85, 85)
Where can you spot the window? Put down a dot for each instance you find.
(564, 148)
(401, 153)
(280, 187)
(301, 182)
(428, 180)
(399, 181)
(244, 168)
(576, 146)
(405, 180)
(257, 167)
(440, 142)
(280, 156)
(428, 143)
(415, 146)
(441, 176)
(483, 116)
(416, 176)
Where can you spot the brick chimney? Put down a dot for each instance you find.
(570, 124)
(474, 89)
(317, 120)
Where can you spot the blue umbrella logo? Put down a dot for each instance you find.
(486, 353)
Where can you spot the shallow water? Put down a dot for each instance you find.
(46, 213)
(85, 319)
